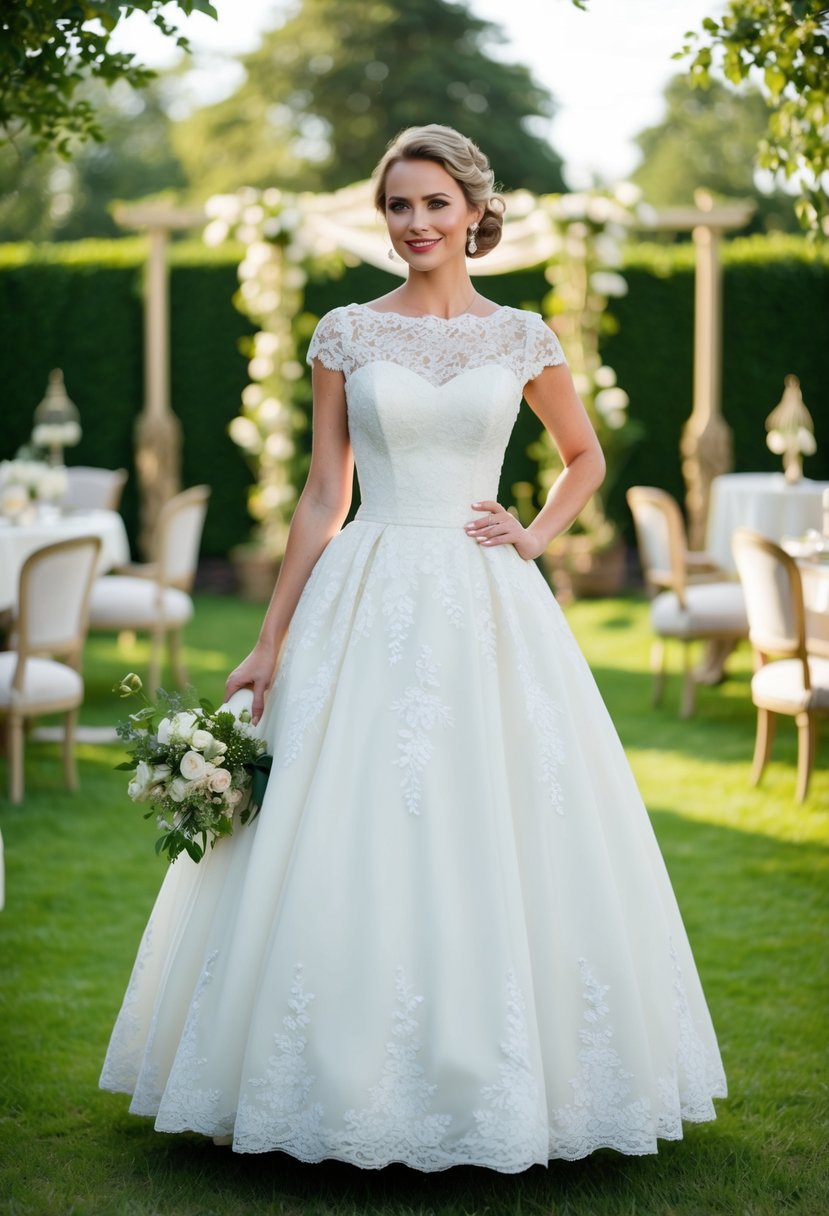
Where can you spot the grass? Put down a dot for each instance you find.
(749, 868)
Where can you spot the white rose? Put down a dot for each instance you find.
(163, 732)
(220, 780)
(234, 797)
(192, 766)
(201, 739)
(141, 781)
(179, 789)
(183, 725)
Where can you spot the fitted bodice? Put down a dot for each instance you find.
(431, 403)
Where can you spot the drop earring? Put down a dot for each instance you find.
(472, 244)
(391, 254)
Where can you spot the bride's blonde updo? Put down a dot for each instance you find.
(462, 160)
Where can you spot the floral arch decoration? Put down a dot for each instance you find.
(287, 237)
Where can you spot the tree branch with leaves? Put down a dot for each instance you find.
(784, 46)
(49, 47)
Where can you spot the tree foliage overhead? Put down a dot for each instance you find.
(326, 91)
(49, 47)
(708, 137)
(784, 44)
(46, 198)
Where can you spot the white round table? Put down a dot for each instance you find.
(17, 541)
(765, 502)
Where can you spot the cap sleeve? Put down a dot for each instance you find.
(330, 342)
(542, 349)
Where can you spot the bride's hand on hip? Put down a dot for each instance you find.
(255, 672)
(499, 527)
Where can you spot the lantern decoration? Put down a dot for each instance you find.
(791, 432)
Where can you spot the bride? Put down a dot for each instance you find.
(449, 937)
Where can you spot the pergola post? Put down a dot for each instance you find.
(157, 431)
(706, 448)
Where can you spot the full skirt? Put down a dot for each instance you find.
(449, 936)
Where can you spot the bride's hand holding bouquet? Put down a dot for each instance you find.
(195, 766)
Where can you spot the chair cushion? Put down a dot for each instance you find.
(712, 610)
(121, 602)
(781, 683)
(45, 682)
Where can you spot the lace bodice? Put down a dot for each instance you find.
(431, 403)
(437, 349)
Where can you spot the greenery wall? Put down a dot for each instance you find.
(78, 307)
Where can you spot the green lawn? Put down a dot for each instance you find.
(749, 868)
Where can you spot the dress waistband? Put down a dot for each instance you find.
(450, 518)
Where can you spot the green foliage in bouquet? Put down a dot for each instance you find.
(195, 767)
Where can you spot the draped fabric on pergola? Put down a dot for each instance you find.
(286, 232)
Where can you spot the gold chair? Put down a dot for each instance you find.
(787, 679)
(692, 600)
(153, 597)
(54, 590)
(89, 488)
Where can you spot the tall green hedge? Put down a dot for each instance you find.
(78, 307)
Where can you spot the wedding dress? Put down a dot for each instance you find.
(449, 937)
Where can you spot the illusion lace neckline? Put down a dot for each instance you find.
(430, 316)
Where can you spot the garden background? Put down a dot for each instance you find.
(78, 306)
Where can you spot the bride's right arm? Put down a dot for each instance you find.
(322, 507)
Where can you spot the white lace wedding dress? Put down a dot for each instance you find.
(449, 937)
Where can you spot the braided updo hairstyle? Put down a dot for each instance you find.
(462, 160)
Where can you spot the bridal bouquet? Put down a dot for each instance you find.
(193, 765)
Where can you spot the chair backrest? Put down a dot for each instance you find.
(53, 600)
(660, 537)
(89, 488)
(773, 594)
(178, 537)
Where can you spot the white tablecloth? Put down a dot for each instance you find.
(18, 541)
(765, 502)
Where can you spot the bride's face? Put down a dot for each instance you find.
(426, 213)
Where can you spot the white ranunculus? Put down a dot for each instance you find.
(192, 766)
(220, 780)
(201, 740)
(179, 789)
(183, 724)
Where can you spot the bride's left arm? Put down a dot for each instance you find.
(553, 397)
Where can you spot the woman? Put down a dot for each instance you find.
(449, 937)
